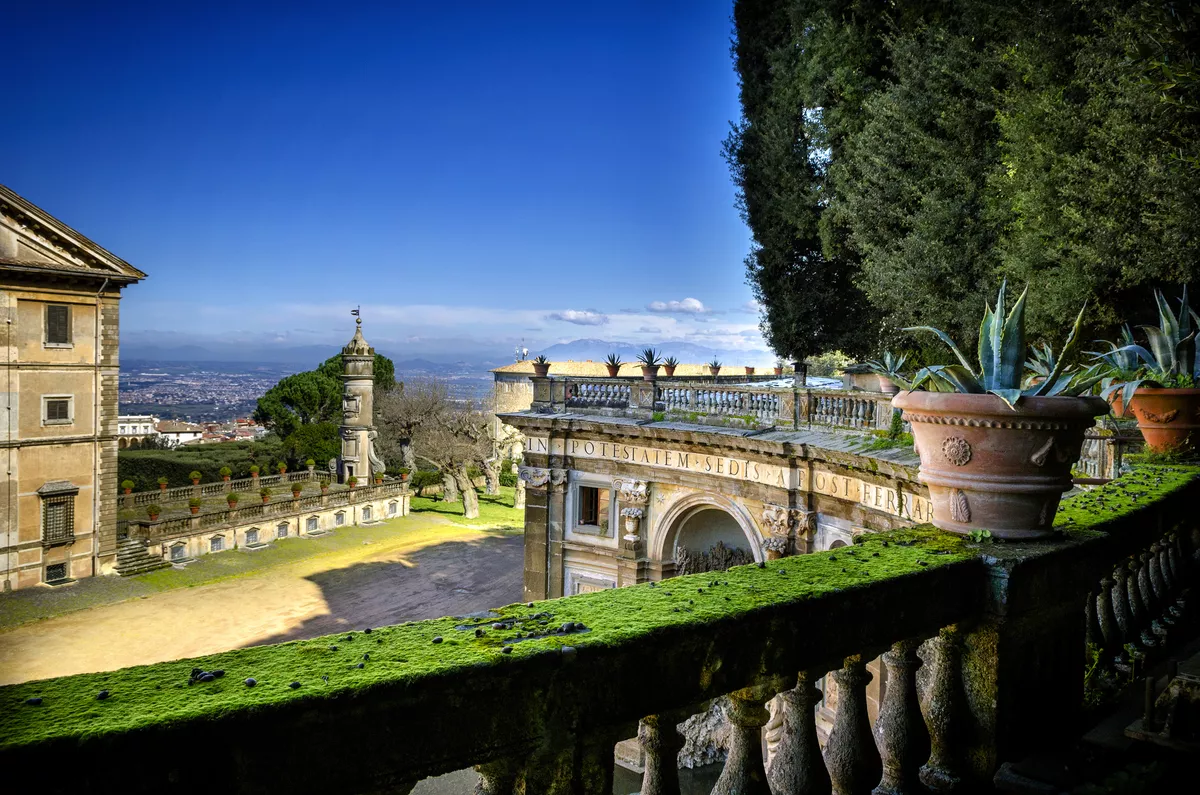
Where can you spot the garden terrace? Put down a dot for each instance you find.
(536, 695)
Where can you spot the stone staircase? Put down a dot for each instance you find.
(132, 558)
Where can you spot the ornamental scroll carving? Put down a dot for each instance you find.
(558, 477)
(534, 476)
(778, 520)
(632, 492)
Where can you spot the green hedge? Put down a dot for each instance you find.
(145, 467)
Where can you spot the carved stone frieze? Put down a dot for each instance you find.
(534, 476)
(632, 492)
(777, 520)
(558, 477)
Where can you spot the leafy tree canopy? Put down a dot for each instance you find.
(314, 397)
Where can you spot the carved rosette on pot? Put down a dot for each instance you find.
(995, 468)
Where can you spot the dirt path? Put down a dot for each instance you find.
(457, 570)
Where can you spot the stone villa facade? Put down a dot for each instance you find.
(59, 294)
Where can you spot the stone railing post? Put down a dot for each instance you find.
(744, 772)
(944, 716)
(558, 392)
(541, 393)
(583, 767)
(660, 743)
(900, 731)
(851, 755)
(797, 767)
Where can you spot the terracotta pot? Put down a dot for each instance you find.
(778, 371)
(1169, 419)
(378, 481)
(162, 486)
(127, 491)
(541, 370)
(749, 371)
(991, 467)
(404, 476)
(195, 508)
(613, 369)
(225, 478)
(669, 369)
(324, 489)
(266, 500)
(649, 372)
(232, 504)
(886, 386)
(154, 517)
(713, 371)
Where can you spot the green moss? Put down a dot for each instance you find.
(158, 694)
(1087, 514)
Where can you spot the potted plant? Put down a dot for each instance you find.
(778, 367)
(650, 361)
(232, 498)
(254, 470)
(996, 457)
(887, 369)
(352, 481)
(1162, 393)
(714, 367)
(153, 511)
(541, 366)
(310, 464)
(265, 493)
(613, 363)
(378, 478)
(162, 483)
(282, 466)
(669, 365)
(324, 487)
(226, 473)
(1121, 364)
(404, 473)
(127, 486)
(194, 476)
(749, 370)
(296, 489)
(194, 503)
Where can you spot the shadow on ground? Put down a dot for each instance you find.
(451, 578)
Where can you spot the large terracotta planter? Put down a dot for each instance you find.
(713, 371)
(887, 386)
(669, 369)
(991, 467)
(649, 373)
(541, 370)
(1169, 419)
(613, 369)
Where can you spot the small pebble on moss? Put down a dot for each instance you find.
(103, 694)
(368, 631)
(205, 678)
(251, 681)
(333, 648)
(506, 650)
(438, 639)
(36, 701)
(218, 673)
(367, 656)
(360, 665)
(294, 685)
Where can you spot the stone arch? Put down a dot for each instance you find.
(135, 444)
(838, 544)
(676, 516)
(122, 444)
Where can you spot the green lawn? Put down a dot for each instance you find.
(494, 511)
(34, 604)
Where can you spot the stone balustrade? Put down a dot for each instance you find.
(182, 493)
(536, 695)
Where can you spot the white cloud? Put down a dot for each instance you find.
(580, 317)
(649, 330)
(753, 307)
(688, 306)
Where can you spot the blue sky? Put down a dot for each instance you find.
(471, 173)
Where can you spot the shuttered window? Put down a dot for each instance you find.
(58, 410)
(58, 324)
(58, 519)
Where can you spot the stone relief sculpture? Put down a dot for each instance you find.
(534, 476)
(377, 464)
(632, 492)
(716, 558)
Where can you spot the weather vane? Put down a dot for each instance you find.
(357, 312)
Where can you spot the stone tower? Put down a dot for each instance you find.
(358, 410)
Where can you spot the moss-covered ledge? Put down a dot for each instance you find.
(419, 707)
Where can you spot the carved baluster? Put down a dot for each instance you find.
(1105, 615)
(1137, 607)
(1162, 571)
(498, 777)
(744, 773)
(1149, 596)
(942, 716)
(1120, 605)
(851, 756)
(582, 768)
(900, 731)
(660, 743)
(1158, 584)
(796, 766)
(1092, 634)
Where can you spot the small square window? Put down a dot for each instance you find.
(56, 411)
(216, 543)
(392, 508)
(366, 513)
(252, 536)
(179, 551)
(311, 524)
(281, 531)
(58, 324)
(593, 507)
(339, 518)
(56, 571)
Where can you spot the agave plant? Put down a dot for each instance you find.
(613, 360)
(1170, 362)
(541, 360)
(649, 358)
(1001, 358)
(715, 363)
(671, 361)
(889, 367)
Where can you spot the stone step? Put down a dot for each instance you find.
(133, 559)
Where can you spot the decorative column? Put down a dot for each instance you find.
(634, 497)
(943, 716)
(660, 743)
(536, 531)
(851, 755)
(556, 530)
(357, 432)
(744, 772)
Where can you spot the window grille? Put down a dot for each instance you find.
(58, 324)
(392, 508)
(216, 543)
(179, 551)
(366, 513)
(56, 571)
(252, 536)
(58, 410)
(312, 524)
(58, 519)
(339, 518)
(281, 531)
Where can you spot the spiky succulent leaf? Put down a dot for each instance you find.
(1009, 396)
(1066, 357)
(1011, 351)
(988, 343)
(948, 378)
(949, 342)
(1162, 348)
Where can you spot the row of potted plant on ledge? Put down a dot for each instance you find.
(650, 360)
(997, 438)
(233, 498)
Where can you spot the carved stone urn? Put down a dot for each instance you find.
(995, 468)
(1169, 419)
